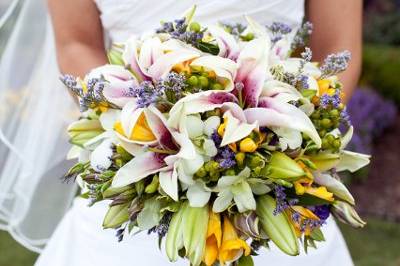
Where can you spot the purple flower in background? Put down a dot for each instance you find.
(370, 114)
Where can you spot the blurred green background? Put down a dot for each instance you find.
(377, 123)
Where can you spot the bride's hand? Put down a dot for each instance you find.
(337, 27)
(78, 35)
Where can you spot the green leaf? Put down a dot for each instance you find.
(116, 216)
(317, 235)
(208, 47)
(277, 227)
(308, 93)
(150, 216)
(246, 261)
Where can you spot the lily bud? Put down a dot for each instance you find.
(153, 186)
(240, 156)
(174, 240)
(282, 166)
(195, 225)
(116, 216)
(347, 214)
(115, 57)
(277, 227)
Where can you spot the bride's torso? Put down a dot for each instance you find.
(122, 18)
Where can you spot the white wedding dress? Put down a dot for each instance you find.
(79, 239)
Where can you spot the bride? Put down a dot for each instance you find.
(32, 199)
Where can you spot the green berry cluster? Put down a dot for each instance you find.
(201, 80)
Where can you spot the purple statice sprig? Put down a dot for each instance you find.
(282, 202)
(327, 100)
(179, 30)
(173, 86)
(335, 63)
(145, 93)
(92, 96)
(278, 31)
(302, 35)
(236, 29)
(225, 156)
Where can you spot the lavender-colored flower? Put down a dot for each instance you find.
(226, 157)
(173, 85)
(146, 94)
(236, 29)
(335, 63)
(216, 138)
(278, 30)
(302, 35)
(281, 203)
(327, 100)
(322, 211)
(303, 81)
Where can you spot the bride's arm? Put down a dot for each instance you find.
(78, 35)
(337, 27)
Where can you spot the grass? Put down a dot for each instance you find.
(375, 245)
(13, 254)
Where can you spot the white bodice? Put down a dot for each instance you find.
(122, 18)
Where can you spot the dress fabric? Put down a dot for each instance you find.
(79, 239)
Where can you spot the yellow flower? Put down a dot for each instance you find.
(324, 87)
(232, 246)
(214, 237)
(248, 145)
(221, 128)
(304, 186)
(141, 131)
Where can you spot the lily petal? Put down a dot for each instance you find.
(119, 80)
(130, 56)
(138, 168)
(235, 129)
(224, 68)
(252, 72)
(275, 113)
(228, 46)
(198, 103)
(352, 161)
(334, 186)
(163, 65)
(197, 195)
(169, 183)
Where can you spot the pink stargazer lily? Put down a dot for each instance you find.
(253, 69)
(118, 82)
(270, 112)
(143, 132)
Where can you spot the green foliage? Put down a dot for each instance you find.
(381, 69)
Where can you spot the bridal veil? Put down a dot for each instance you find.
(34, 111)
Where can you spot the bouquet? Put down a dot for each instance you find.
(216, 139)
